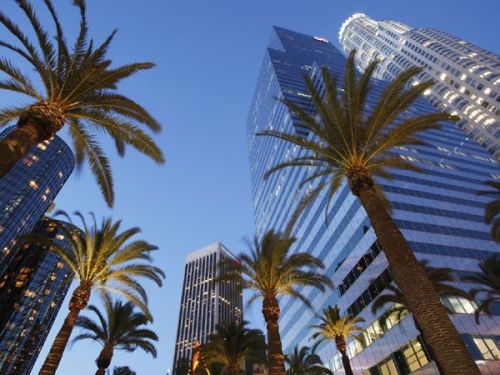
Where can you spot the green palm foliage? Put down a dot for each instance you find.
(271, 271)
(351, 139)
(492, 210)
(488, 280)
(105, 259)
(338, 328)
(232, 345)
(77, 87)
(119, 328)
(304, 361)
(440, 278)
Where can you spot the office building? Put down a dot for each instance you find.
(205, 303)
(467, 76)
(28, 190)
(438, 212)
(32, 290)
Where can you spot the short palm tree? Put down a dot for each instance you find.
(233, 344)
(350, 139)
(304, 361)
(338, 328)
(119, 328)
(440, 278)
(488, 281)
(182, 367)
(271, 271)
(102, 258)
(492, 210)
(79, 90)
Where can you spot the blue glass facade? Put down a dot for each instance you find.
(438, 211)
(32, 290)
(28, 189)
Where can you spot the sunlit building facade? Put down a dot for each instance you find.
(28, 189)
(438, 212)
(205, 303)
(32, 289)
(467, 76)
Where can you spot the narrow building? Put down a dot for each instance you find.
(205, 303)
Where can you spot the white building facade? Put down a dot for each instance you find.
(205, 303)
(467, 76)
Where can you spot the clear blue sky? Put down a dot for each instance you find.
(208, 56)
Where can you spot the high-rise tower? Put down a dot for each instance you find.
(27, 190)
(438, 212)
(32, 290)
(467, 76)
(205, 303)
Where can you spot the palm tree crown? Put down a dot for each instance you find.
(233, 344)
(79, 89)
(270, 270)
(439, 277)
(333, 326)
(492, 211)
(120, 328)
(488, 281)
(347, 139)
(304, 361)
(101, 258)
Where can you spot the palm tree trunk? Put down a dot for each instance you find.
(233, 369)
(104, 360)
(342, 348)
(271, 312)
(39, 123)
(78, 302)
(430, 315)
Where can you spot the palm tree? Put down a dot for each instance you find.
(338, 328)
(233, 344)
(79, 90)
(488, 281)
(349, 139)
(102, 258)
(439, 277)
(271, 271)
(304, 361)
(121, 328)
(124, 370)
(492, 210)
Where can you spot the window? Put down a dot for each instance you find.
(488, 348)
(415, 355)
(388, 368)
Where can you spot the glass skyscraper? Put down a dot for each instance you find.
(28, 189)
(205, 303)
(467, 76)
(438, 212)
(32, 290)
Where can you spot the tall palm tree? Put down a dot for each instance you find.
(121, 328)
(338, 328)
(488, 281)
(304, 361)
(492, 210)
(233, 344)
(79, 90)
(102, 258)
(349, 139)
(439, 277)
(271, 271)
